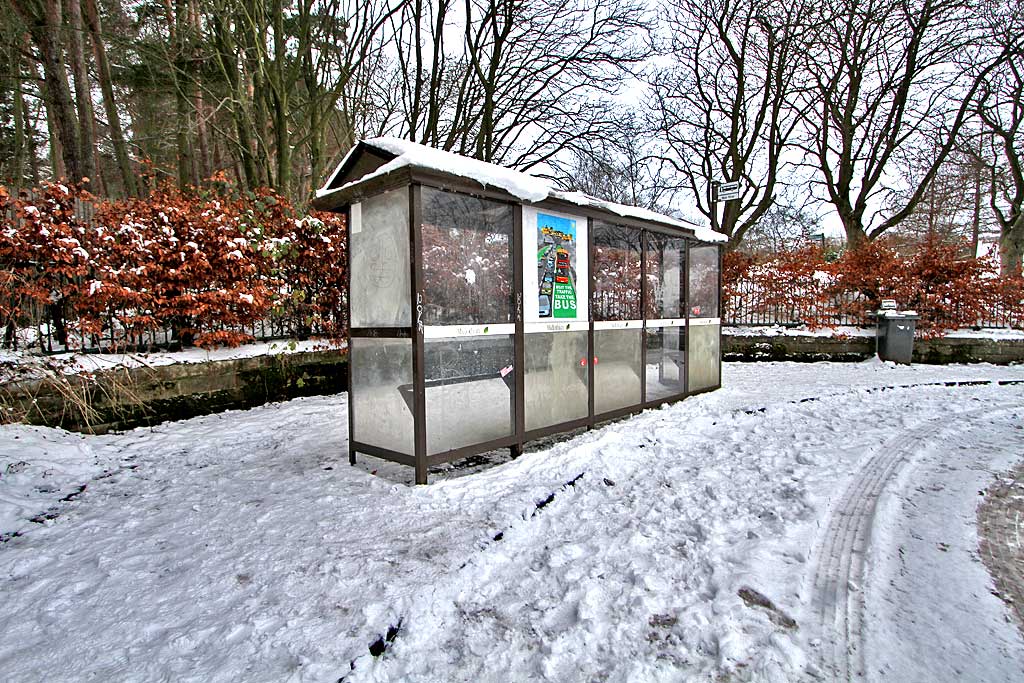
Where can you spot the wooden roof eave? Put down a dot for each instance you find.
(337, 200)
(565, 206)
(447, 181)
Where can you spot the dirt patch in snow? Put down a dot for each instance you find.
(753, 598)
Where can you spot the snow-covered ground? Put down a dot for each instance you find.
(993, 333)
(754, 533)
(73, 362)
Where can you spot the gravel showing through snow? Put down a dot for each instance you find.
(1001, 527)
(242, 546)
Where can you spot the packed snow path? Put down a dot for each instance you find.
(682, 544)
(839, 576)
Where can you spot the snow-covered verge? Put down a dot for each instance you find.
(40, 468)
(75, 363)
(986, 333)
(241, 546)
(850, 331)
(801, 331)
(925, 563)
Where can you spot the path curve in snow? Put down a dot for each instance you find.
(839, 560)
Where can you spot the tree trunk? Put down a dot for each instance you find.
(976, 210)
(33, 152)
(1011, 247)
(18, 156)
(181, 105)
(279, 92)
(109, 103)
(205, 169)
(57, 165)
(260, 123)
(30, 125)
(46, 30)
(184, 156)
(225, 54)
(83, 89)
(730, 224)
(316, 147)
(856, 235)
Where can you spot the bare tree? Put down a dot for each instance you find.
(117, 137)
(17, 133)
(952, 207)
(524, 81)
(1006, 188)
(292, 83)
(1001, 112)
(621, 169)
(83, 88)
(887, 76)
(343, 68)
(45, 22)
(725, 105)
(788, 224)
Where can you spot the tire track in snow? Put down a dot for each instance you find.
(837, 596)
(381, 643)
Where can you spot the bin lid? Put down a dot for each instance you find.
(898, 315)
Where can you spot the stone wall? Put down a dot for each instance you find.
(127, 398)
(807, 348)
(962, 350)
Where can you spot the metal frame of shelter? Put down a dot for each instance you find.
(363, 161)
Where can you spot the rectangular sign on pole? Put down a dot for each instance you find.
(729, 191)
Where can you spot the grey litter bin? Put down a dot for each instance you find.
(895, 335)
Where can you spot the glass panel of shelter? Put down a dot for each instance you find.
(556, 319)
(468, 296)
(617, 315)
(665, 316)
(379, 274)
(380, 392)
(704, 323)
(468, 315)
(556, 378)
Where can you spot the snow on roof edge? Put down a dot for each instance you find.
(526, 187)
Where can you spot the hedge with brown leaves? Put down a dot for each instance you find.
(204, 264)
(948, 290)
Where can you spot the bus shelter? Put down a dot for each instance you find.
(487, 309)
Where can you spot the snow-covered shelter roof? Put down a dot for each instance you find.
(377, 158)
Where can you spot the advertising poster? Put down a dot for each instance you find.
(556, 251)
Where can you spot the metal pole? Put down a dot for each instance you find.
(714, 204)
